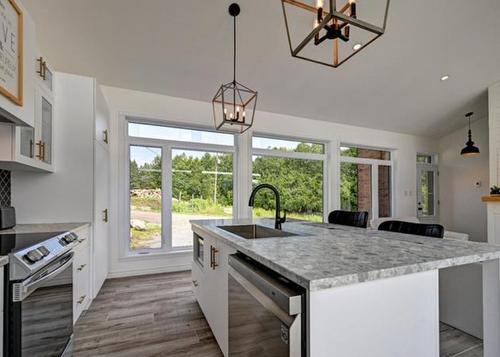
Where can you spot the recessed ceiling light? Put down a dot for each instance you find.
(444, 78)
(357, 46)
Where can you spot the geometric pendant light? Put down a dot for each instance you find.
(234, 104)
(329, 32)
(469, 149)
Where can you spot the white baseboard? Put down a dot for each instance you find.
(148, 271)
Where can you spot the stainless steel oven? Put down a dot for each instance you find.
(266, 311)
(40, 311)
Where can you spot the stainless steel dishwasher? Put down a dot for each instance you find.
(266, 311)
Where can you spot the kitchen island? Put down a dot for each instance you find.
(368, 292)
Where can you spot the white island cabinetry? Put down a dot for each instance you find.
(210, 286)
(380, 288)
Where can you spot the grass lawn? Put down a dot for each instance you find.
(151, 237)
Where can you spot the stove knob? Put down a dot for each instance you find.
(70, 237)
(33, 256)
(43, 250)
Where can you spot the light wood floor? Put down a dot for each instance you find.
(157, 315)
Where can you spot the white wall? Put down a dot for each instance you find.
(461, 208)
(64, 195)
(153, 106)
(462, 211)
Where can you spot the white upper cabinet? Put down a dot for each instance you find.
(45, 76)
(24, 114)
(31, 148)
(30, 144)
(102, 134)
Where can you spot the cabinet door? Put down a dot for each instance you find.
(216, 293)
(81, 280)
(46, 129)
(100, 255)
(27, 141)
(44, 74)
(222, 301)
(102, 115)
(44, 114)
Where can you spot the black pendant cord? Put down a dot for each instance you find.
(234, 50)
(234, 68)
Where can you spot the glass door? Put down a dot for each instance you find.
(169, 187)
(202, 188)
(46, 130)
(427, 202)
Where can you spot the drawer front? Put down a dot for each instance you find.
(197, 284)
(81, 281)
(83, 237)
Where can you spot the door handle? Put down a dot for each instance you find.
(39, 156)
(43, 151)
(213, 259)
(32, 149)
(105, 136)
(81, 300)
(105, 216)
(42, 68)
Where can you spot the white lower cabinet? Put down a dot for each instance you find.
(210, 288)
(81, 275)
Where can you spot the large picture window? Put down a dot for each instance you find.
(366, 181)
(297, 170)
(175, 175)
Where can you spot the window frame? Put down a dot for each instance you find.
(374, 164)
(425, 166)
(166, 146)
(295, 155)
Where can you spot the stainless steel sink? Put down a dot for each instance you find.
(255, 231)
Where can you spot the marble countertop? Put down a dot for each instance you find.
(44, 228)
(325, 255)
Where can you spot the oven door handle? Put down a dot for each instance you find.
(22, 290)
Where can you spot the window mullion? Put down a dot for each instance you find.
(166, 210)
(375, 192)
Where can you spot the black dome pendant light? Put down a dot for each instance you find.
(469, 149)
(234, 104)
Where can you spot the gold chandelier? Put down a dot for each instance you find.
(329, 32)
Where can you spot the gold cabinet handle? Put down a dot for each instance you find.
(105, 136)
(42, 68)
(105, 216)
(213, 259)
(81, 300)
(39, 156)
(195, 283)
(80, 268)
(43, 151)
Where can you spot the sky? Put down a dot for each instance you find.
(146, 154)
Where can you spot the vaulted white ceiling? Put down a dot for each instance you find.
(184, 48)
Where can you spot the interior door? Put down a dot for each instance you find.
(100, 247)
(427, 198)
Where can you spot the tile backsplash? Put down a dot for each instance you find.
(4, 188)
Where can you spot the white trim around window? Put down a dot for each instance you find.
(324, 157)
(374, 163)
(167, 146)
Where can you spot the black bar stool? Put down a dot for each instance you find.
(419, 229)
(346, 218)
